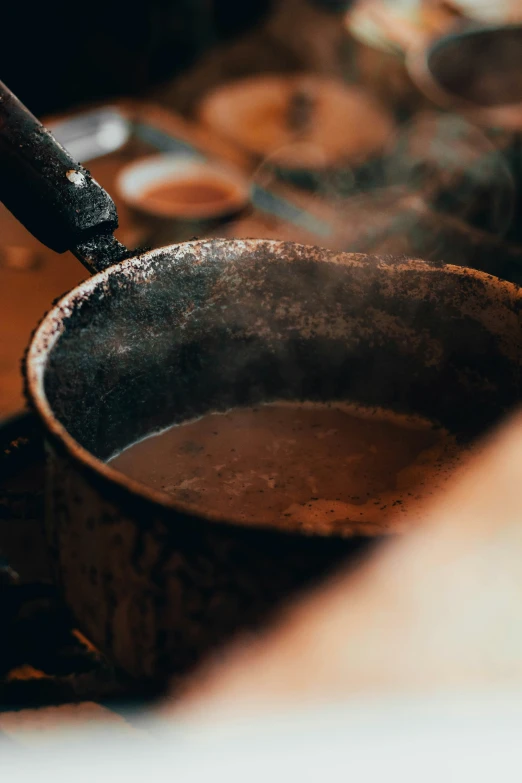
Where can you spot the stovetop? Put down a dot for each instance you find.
(44, 659)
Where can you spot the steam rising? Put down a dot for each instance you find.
(455, 168)
(443, 190)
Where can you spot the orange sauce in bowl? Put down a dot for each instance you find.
(202, 196)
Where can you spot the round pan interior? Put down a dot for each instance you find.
(209, 325)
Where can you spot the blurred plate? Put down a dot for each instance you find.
(396, 25)
(91, 134)
(195, 189)
(340, 124)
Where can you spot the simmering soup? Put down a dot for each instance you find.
(319, 467)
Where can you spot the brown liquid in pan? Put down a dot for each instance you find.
(319, 467)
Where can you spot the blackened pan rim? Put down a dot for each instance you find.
(53, 325)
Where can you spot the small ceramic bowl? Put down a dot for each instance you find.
(183, 187)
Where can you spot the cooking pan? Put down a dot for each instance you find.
(207, 325)
(475, 71)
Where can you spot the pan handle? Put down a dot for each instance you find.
(52, 195)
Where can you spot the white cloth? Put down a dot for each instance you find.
(448, 738)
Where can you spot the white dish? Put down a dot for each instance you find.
(227, 191)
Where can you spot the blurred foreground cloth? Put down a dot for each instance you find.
(438, 609)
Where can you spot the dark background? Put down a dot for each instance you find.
(54, 59)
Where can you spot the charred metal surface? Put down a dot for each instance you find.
(157, 597)
(43, 659)
(100, 252)
(54, 197)
(206, 326)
